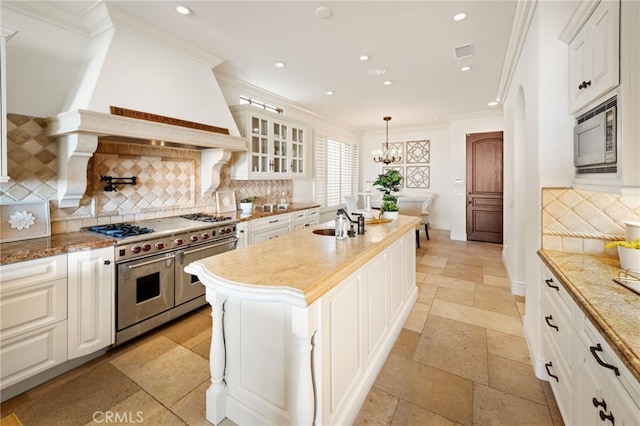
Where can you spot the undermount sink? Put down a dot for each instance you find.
(329, 232)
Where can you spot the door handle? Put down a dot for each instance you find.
(548, 320)
(550, 284)
(549, 365)
(598, 348)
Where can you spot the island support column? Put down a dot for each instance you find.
(304, 323)
(217, 392)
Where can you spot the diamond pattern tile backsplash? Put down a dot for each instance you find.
(168, 179)
(583, 221)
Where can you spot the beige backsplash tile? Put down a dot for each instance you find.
(581, 221)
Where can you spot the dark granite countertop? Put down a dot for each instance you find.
(18, 251)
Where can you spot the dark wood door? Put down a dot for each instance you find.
(484, 187)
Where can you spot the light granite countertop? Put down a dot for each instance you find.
(611, 307)
(303, 263)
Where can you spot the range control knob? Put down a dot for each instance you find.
(136, 249)
(146, 247)
(223, 231)
(194, 238)
(205, 236)
(159, 245)
(179, 241)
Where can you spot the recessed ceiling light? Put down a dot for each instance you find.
(459, 16)
(330, 92)
(388, 83)
(465, 68)
(493, 103)
(183, 10)
(323, 12)
(364, 57)
(279, 64)
(376, 71)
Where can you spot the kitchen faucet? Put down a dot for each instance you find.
(359, 222)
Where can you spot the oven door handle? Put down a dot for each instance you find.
(169, 258)
(208, 246)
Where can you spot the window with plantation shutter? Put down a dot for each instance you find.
(336, 171)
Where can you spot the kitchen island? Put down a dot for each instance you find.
(302, 324)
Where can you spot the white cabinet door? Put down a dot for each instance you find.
(31, 353)
(33, 294)
(594, 62)
(298, 152)
(33, 309)
(91, 285)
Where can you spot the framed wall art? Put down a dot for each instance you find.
(226, 201)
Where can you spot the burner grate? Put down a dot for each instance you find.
(203, 217)
(121, 230)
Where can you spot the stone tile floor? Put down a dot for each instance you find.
(460, 359)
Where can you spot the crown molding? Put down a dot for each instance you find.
(522, 17)
(48, 13)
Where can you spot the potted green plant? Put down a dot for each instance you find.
(389, 207)
(388, 183)
(628, 253)
(246, 204)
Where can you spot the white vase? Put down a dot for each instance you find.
(390, 215)
(629, 258)
(632, 231)
(246, 208)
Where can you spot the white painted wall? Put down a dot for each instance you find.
(538, 152)
(440, 170)
(40, 69)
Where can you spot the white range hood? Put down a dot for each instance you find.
(134, 67)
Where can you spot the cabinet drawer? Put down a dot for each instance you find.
(558, 293)
(599, 350)
(33, 306)
(33, 272)
(301, 214)
(561, 383)
(270, 221)
(557, 325)
(269, 234)
(32, 353)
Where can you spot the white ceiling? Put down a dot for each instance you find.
(412, 40)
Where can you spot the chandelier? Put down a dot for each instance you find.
(387, 155)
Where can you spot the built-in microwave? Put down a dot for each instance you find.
(594, 140)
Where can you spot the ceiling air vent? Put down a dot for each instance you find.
(463, 51)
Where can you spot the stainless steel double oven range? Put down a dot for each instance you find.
(151, 285)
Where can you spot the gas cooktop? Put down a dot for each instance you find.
(160, 227)
(204, 217)
(120, 230)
